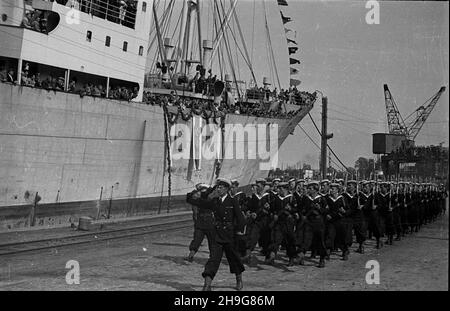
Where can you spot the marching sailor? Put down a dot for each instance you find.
(203, 219)
(226, 215)
(356, 214)
(258, 228)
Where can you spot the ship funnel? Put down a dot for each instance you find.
(207, 50)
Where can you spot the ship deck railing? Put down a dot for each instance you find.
(110, 10)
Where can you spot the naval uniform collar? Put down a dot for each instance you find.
(351, 196)
(236, 194)
(285, 197)
(333, 199)
(317, 196)
(262, 195)
(366, 195)
(223, 198)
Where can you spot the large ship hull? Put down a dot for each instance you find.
(99, 158)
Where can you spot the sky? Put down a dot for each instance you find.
(348, 61)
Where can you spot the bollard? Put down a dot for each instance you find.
(84, 223)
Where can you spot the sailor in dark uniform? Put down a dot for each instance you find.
(292, 185)
(329, 236)
(324, 188)
(370, 211)
(299, 204)
(226, 215)
(258, 227)
(403, 208)
(284, 224)
(203, 219)
(241, 236)
(383, 201)
(414, 208)
(397, 205)
(338, 228)
(273, 193)
(408, 206)
(341, 183)
(314, 228)
(356, 214)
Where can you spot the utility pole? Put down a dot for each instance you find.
(325, 137)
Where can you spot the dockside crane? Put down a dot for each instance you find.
(411, 126)
(397, 146)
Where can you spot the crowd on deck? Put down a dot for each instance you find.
(117, 11)
(205, 85)
(50, 82)
(35, 20)
(272, 108)
(198, 106)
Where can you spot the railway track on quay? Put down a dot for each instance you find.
(84, 237)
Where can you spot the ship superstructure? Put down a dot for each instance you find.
(85, 130)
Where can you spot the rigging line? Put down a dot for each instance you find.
(337, 158)
(246, 57)
(225, 38)
(229, 53)
(356, 130)
(353, 116)
(353, 111)
(165, 20)
(220, 53)
(356, 121)
(236, 50)
(253, 32)
(208, 21)
(312, 140)
(270, 46)
(87, 60)
(154, 37)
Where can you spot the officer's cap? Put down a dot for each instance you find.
(201, 186)
(291, 180)
(260, 181)
(224, 182)
(276, 179)
(300, 181)
(352, 182)
(324, 181)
